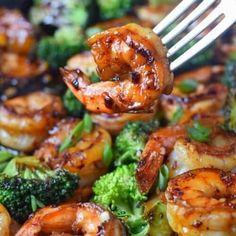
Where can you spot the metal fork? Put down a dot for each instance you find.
(223, 14)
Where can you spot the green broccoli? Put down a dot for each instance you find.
(118, 192)
(73, 106)
(26, 185)
(115, 8)
(56, 49)
(229, 80)
(131, 141)
(156, 215)
(59, 13)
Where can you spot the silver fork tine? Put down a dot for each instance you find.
(196, 31)
(188, 20)
(204, 42)
(173, 15)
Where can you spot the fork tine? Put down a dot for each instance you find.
(188, 20)
(204, 42)
(173, 15)
(196, 31)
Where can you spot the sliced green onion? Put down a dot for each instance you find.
(107, 154)
(179, 112)
(11, 169)
(35, 203)
(199, 132)
(163, 177)
(188, 86)
(5, 156)
(73, 137)
(88, 123)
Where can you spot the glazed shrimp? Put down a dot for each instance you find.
(114, 123)
(159, 145)
(208, 97)
(219, 152)
(5, 221)
(135, 60)
(16, 33)
(19, 67)
(85, 157)
(173, 145)
(72, 219)
(25, 120)
(84, 61)
(202, 202)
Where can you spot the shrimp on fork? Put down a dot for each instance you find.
(202, 202)
(133, 67)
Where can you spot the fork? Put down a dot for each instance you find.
(223, 14)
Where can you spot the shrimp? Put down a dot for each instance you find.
(206, 98)
(84, 61)
(5, 221)
(219, 152)
(16, 33)
(20, 67)
(25, 120)
(153, 14)
(202, 202)
(114, 123)
(159, 145)
(172, 144)
(18, 72)
(72, 219)
(85, 157)
(135, 60)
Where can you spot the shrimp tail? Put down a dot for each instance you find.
(149, 165)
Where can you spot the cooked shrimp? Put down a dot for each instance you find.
(202, 202)
(84, 61)
(15, 66)
(25, 120)
(208, 97)
(85, 157)
(72, 219)
(173, 145)
(114, 123)
(159, 145)
(153, 14)
(5, 221)
(135, 60)
(219, 152)
(16, 34)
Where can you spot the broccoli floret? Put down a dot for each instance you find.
(56, 49)
(59, 13)
(26, 185)
(131, 141)
(73, 106)
(115, 8)
(118, 192)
